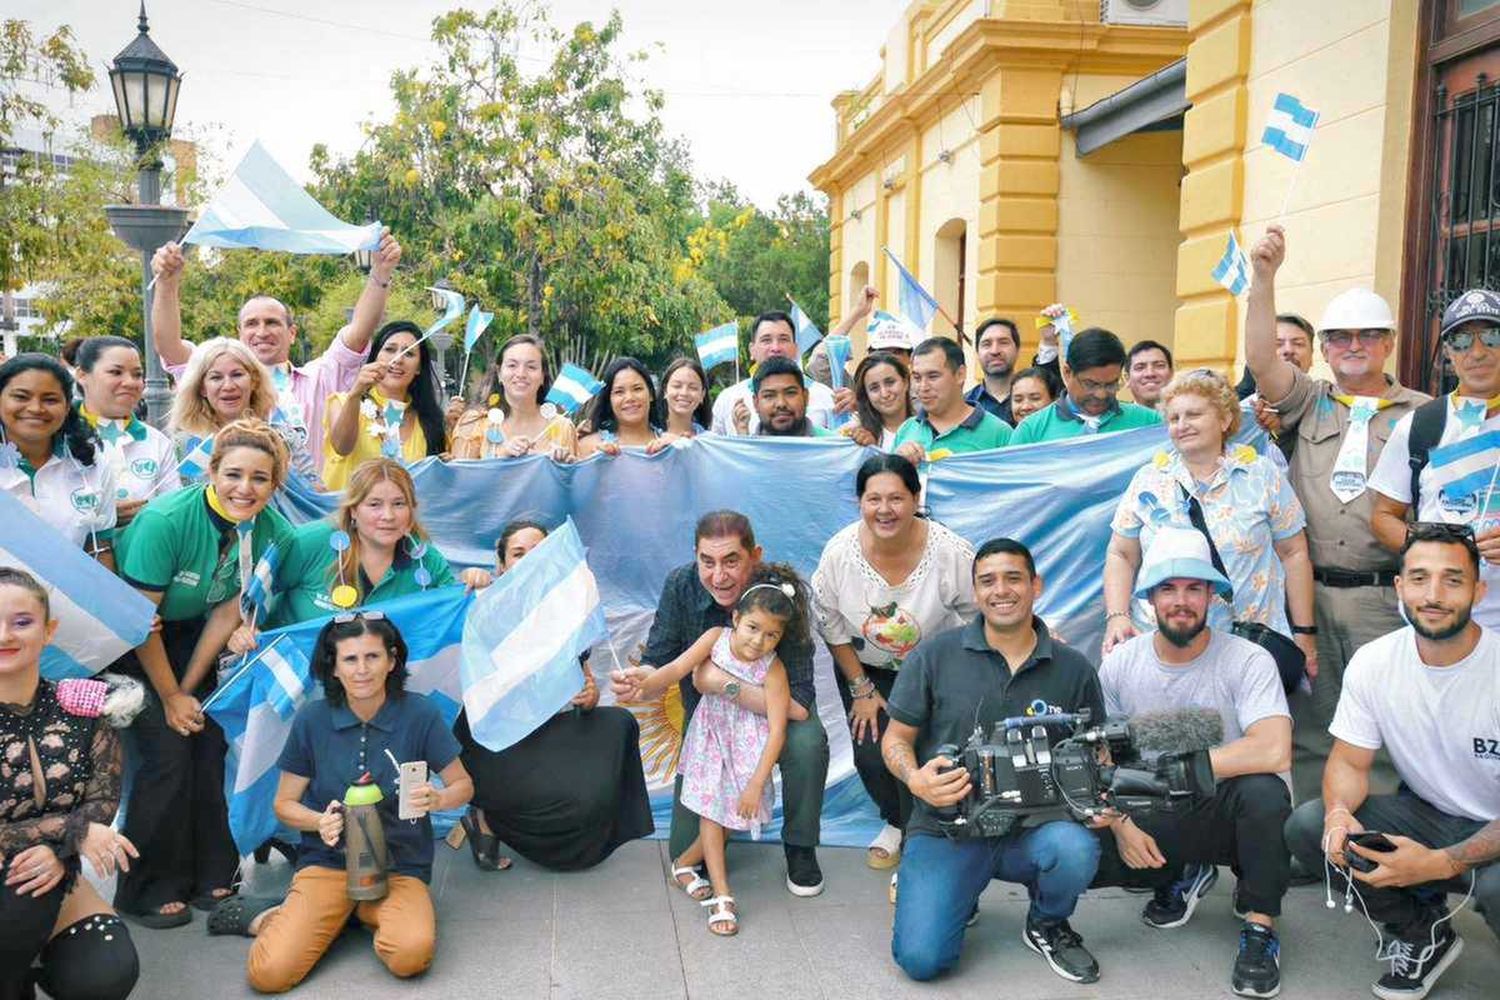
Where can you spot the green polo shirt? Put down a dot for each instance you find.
(979, 431)
(1057, 422)
(306, 576)
(179, 548)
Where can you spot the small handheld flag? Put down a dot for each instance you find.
(573, 387)
(808, 333)
(719, 345)
(1290, 127)
(453, 307)
(1233, 270)
(477, 323)
(915, 302)
(261, 207)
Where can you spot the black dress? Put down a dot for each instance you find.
(567, 795)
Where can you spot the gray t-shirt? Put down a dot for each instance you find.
(1232, 675)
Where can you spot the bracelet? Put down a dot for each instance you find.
(868, 694)
(856, 686)
(378, 282)
(1117, 614)
(1304, 630)
(1338, 809)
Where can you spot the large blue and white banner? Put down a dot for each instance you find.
(636, 513)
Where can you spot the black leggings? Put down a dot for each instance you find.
(91, 959)
(889, 795)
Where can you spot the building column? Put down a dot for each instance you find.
(835, 259)
(1019, 143)
(1213, 143)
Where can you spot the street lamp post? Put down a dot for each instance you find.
(442, 340)
(145, 86)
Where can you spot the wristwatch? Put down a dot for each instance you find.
(731, 690)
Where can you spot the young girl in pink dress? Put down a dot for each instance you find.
(728, 752)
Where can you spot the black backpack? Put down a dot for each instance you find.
(1427, 422)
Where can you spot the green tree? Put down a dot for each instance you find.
(756, 259)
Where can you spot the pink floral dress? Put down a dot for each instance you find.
(723, 746)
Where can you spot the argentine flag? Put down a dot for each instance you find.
(256, 703)
(808, 333)
(99, 616)
(1463, 470)
(198, 453)
(1290, 127)
(1233, 270)
(523, 638)
(261, 207)
(719, 346)
(914, 301)
(475, 326)
(573, 387)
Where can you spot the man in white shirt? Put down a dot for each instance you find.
(1428, 693)
(1185, 666)
(773, 335)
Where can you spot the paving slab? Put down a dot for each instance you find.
(620, 932)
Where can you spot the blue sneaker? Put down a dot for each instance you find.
(1257, 968)
(1173, 905)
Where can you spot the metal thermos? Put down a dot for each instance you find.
(365, 857)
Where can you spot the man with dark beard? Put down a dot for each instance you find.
(1185, 665)
(780, 392)
(1430, 694)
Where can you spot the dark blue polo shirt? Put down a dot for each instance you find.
(955, 680)
(333, 748)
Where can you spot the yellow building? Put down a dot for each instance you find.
(1098, 152)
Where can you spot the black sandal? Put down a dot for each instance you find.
(235, 914)
(209, 901)
(484, 846)
(158, 920)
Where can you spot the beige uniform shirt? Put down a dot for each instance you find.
(1338, 534)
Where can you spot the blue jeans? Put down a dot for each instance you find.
(941, 881)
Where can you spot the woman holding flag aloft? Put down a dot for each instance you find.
(187, 552)
(392, 411)
(143, 459)
(49, 456)
(509, 416)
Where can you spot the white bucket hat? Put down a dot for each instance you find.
(1357, 309)
(1179, 552)
(887, 332)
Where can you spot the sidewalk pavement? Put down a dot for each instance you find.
(620, 932)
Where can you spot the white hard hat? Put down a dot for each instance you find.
(1357, 309)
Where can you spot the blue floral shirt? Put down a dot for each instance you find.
(1249, 507)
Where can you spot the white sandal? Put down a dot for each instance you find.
(888, 844)
(693, 888)
(721, 915)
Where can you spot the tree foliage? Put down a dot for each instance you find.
(528, 167)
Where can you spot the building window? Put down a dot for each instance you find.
(949, 261)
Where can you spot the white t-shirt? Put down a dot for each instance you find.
(1441, 725)
(854, 604)
(1232, 676)
(819, 406)
(1392, 478)
(74, 498)
(143, 469)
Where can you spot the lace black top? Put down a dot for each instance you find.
(59, 772)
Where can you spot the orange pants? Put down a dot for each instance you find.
(296, 935)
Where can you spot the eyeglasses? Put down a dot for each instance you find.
(1439, 531)
(1090, 386)
(1463, 340)
(1342, 338)
(349, 616)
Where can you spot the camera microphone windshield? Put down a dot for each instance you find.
(1182, 730)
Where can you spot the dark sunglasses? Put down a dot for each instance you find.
(349, 616)
(1342, 338)
(1463, 340)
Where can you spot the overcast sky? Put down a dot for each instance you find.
(748, 84)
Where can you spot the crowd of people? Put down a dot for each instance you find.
(1327, 601)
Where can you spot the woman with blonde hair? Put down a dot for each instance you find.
(1241, 499)
(223, 383)
(189, 552)
(372, 549)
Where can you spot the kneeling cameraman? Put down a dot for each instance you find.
(1002, 664)
(1174, 683)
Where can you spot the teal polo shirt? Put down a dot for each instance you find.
(306, 575)
(979, 431)
(1058, 422)
(332, 748)
(177, 546)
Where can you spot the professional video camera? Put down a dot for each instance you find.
(1157, 762)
